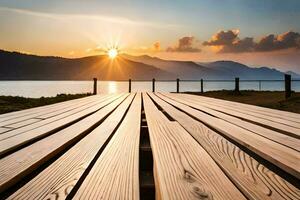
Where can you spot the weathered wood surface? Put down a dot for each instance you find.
(4, 129)
(115, 175)
(63, 115)
(244, 170)
(53, 112)
(22, 123)
(284, 125)
(47, 113)
(24, 161)
(38, 110)
(294, 117)
(202, 148)
(65, 172)
(47, 121)
(280, 138)
(13, 139)
(184, 170)
(280, 155)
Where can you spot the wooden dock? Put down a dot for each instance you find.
(147, 146)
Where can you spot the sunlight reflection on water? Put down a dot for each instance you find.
(51, 88)
(112, 87)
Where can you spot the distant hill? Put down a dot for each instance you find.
(230, 69)
(180, 69)
(18, 66)
(293, 74)
(211, 70)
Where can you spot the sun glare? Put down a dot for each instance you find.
(112, 53)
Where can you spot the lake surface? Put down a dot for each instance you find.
(52, 88)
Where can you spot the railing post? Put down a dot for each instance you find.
(201, 85)
(129, 85)
(287, 83)
(153, 85)
(177, 88)
(95, 86)
(237, 84)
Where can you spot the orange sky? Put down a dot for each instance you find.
(198, 30)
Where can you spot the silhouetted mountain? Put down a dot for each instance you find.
(293, 74)
(18, 66)
(212, 70)
(180, 69)
(230, 69)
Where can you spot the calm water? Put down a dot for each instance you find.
(51, 88)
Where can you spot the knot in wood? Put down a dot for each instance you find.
(202, 194)
(188, 176)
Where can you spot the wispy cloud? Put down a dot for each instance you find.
(103, 18)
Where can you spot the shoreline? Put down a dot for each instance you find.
(16, 103)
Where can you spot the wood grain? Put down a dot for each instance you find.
(184, 170)
(285, 158)
(17, 165)
(54, 111)
(4, 129)
(31, 111)
(115, 175)
(278, 120)
(254, 115)
(23, 123)
(14, 139)
(280, 138)
(253, 179)
(64, 173)
(48, 121)
(293, 117)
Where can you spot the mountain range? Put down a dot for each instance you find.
(19, 66)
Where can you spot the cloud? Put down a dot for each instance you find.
(99, 49)
(223, 38)
(104, 18)
(185, 44)
(283, 41)
(156, 46)
(238, 46)
(229, 42)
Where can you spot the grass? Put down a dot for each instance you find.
(269, 99)
(15, 103)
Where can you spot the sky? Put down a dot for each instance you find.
(254, 32)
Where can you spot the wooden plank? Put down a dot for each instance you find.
(293, 117)
(253, 179)
(23, 123)
(17, 165)
(71, 107)
(290, 130)
(53, 119)
(267, 111)
(285, 158)
(115, 175)
(280, 138)
(249, 112)
(30, 111)
(63, 174)
(21, 137)
(4, 129)
(183, 169)
(50, 111)
(28, 119)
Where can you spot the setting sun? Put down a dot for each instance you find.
(112, 53)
